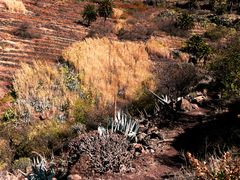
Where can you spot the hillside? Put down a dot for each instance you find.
(53, 22)
(103, 89)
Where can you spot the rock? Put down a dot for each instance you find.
(141, 136)
(152, 129)
(186, 105)
(74, 177)
(194, 106)
(200, 99)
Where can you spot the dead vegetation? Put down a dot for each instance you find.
(15, 6)
(225, 167)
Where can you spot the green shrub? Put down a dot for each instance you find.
(89, 14)
(185, 21)
(227, 69)
(221, 9)
(9, 114)
(81, 108)
(21, 164)
(219, 32)
(105, 9)
(193, 4)
(197, 47)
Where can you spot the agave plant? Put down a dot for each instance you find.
(121, 123)
(40, 169)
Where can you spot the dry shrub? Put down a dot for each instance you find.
(227, 167)
(133, 7)
(9, 176)
(91, 153)
(42, 93)
(157, 48)
(176, 79)
(5, 154)
(120, 23)
(15, 6)
(26, 31)
(99, 31)
(138, 32)
(111, 70)
(117, 13)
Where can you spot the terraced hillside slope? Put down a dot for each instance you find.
(40, 34)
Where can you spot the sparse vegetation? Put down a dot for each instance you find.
(185, 21)
(219, 32)
(26, 31)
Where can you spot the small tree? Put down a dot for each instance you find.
(185, 21)
(89, 14)
(197, 47)
(105, 9)
(226, 69)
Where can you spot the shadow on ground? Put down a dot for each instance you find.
(217, 134)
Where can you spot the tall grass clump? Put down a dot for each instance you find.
(43, 92)
(15, 6)
(111, 70)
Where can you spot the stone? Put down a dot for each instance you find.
(194, 106)
(186, 105)
(199, 99)
(141, 136)
(74, 177)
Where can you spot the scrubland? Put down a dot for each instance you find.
(150, 91)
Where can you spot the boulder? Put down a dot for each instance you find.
(186, 106)
(74, 177)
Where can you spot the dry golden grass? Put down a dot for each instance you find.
(117, 13)
(111, 70)
(41, 91)
(15, 6)
(156, 47)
